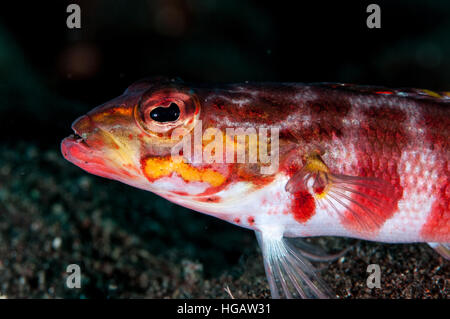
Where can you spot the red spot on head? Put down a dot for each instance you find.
(303, 206)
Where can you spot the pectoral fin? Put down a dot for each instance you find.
(362, 203)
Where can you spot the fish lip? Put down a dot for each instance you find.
(75, 138)
(80, 136)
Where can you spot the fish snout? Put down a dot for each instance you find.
(83, 126)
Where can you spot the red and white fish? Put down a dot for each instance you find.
(353, 161)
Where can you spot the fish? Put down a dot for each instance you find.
(286, 160)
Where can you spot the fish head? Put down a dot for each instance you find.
(149, 136)
(129, 138)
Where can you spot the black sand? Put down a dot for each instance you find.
(130, 243)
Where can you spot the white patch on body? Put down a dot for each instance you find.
(240, 102)
(418, 197)
(175, 183)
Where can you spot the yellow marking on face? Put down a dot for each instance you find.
(119, 148)
(122, 111)
(159, 167)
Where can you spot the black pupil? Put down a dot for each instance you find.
(166, 114)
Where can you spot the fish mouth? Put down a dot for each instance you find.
(78, 139)
(87, 147)
(75, 147)
(81, 128)
(71, 142)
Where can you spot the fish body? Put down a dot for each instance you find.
(301, 160)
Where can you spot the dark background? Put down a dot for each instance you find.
(51, 74)
(209, 41)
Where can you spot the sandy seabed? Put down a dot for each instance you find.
(132, 244)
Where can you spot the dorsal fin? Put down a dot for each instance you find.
(379, 90)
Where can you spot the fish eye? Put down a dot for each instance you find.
(160, 110)
(165, 114)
